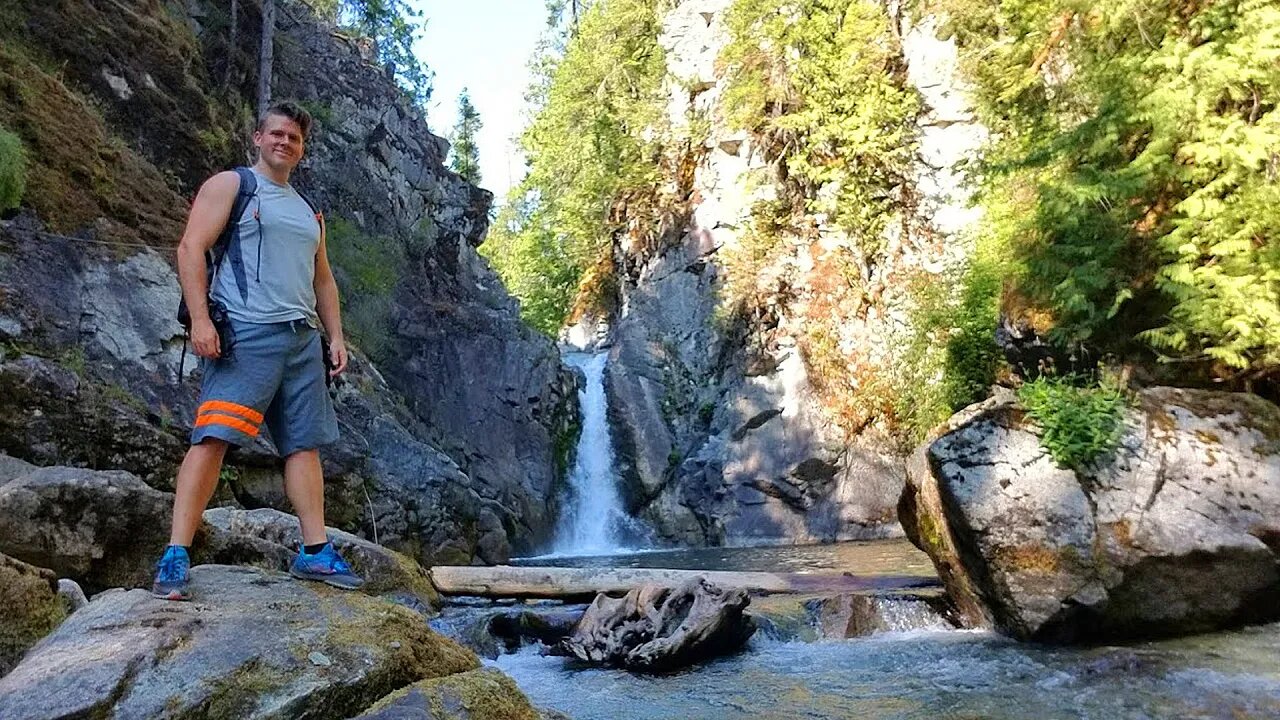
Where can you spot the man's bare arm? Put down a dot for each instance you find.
(209, 213)
(328, 307)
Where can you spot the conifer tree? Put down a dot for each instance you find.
(466, 153)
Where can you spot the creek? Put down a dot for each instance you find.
(918, 667)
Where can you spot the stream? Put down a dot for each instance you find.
(918, 668)
(917, 671)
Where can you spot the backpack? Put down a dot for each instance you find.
(228, 243)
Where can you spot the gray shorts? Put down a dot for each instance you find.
(274, 375)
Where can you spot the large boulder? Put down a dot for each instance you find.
(484, 694)
(32, 608)
(270, 538)
(256, 645)
(1177, 531)
(656, 628)
(101, 528)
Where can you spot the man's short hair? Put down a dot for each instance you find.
(291, 110)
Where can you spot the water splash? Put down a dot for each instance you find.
(594, 522)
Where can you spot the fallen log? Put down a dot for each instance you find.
(505, 581)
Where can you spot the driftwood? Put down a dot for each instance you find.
(656, 628)
(504, 581)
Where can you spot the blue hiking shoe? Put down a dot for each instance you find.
(327, 566)
(171, 574)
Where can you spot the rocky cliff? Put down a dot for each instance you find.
(726, 429)
(449, 434)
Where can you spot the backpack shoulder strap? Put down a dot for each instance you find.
(247, 189)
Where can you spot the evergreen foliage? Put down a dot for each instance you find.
(1079, 421)
(465, 158)
(13, 170)
(820, 82)
(1134, 170)
(591, 148)
(393, 25)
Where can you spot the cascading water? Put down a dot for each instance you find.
(594, 523)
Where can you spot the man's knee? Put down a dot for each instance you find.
(209, 447)
(307, 455)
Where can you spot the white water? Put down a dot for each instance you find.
(594, 522)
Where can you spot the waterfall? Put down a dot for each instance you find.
(594, 522)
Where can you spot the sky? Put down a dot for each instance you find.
(484, 46)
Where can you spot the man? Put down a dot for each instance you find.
(263, 363)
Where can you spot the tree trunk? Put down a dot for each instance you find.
(232, 40)
(266, 56)
(575, 583)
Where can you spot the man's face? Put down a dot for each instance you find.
(279, 142)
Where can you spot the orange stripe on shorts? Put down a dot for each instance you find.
(247, 413)
(235, 423)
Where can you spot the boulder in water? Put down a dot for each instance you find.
(655, 628)
(32, 608)
(256, 644)
(1178, 531)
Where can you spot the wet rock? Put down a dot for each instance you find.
(1178, 531)
(32, 608)
(100, 528)
(484, 694)
(655, 628)
(129, 655)
(270, 538)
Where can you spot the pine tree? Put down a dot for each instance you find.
(466, 154)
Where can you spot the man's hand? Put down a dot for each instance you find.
(337, 357)
(205, 340)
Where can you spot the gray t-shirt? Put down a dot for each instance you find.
(279, 236)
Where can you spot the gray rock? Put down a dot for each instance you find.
(72, 595)
(32, 609)
(128, 655)
(655, 628)
(385, 572)
(101, 528)
(1176, 532)
(484, 694)
(11, 468)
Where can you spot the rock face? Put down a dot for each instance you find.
(1177, 532)
(101, 528)
(32, 608)
(724, 435)
(484, 694)
(449, 444)
(313, 652)
(656, 628)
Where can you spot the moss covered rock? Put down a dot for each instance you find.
(32, 608)
(253, 644)
(484, 694)
(1177, 531)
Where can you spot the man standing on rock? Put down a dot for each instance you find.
(255, 325)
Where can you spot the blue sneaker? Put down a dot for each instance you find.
(171, 574)
(327, 566)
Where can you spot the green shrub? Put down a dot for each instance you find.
(1079, 423)
(367, 268)
(13, 170)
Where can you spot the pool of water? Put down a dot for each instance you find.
(957, 675)
(909, 675)
(875, 557)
